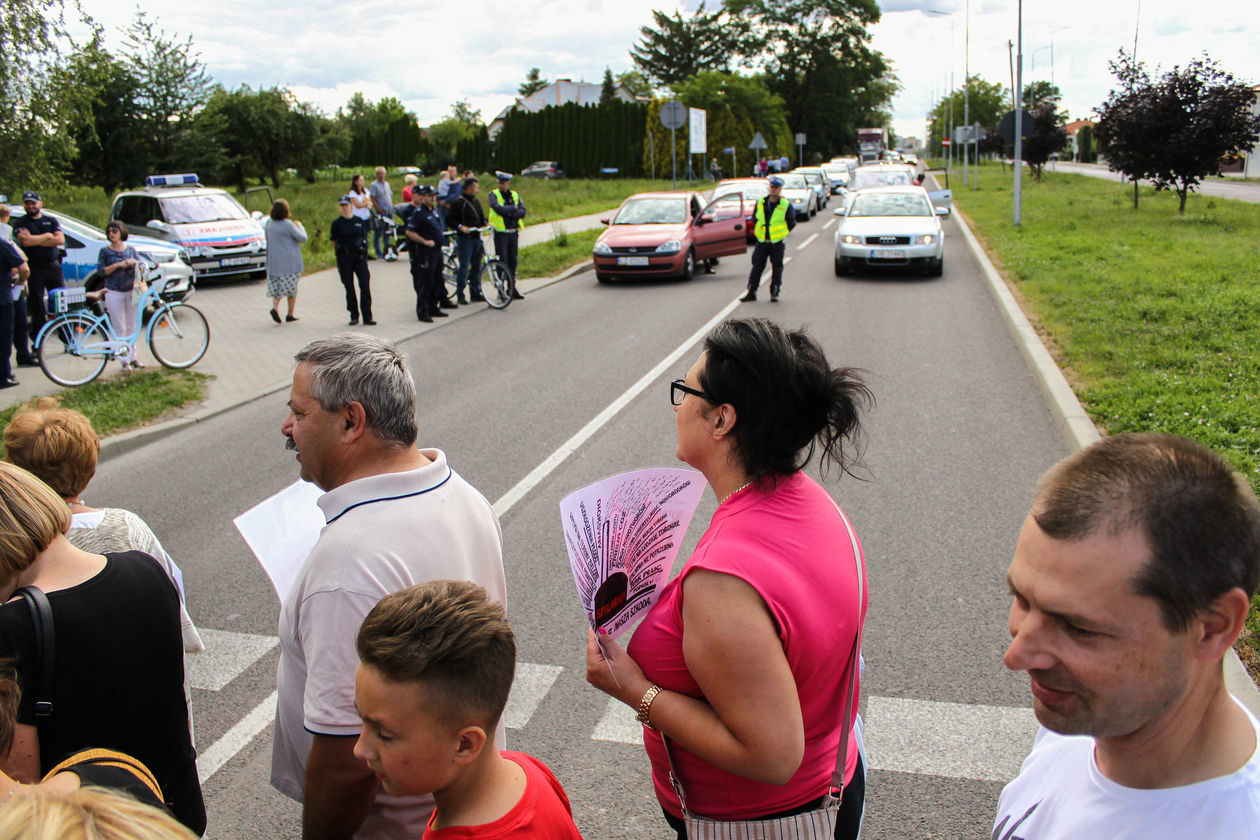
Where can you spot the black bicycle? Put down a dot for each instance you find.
(497, 283)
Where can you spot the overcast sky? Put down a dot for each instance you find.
(430, 55)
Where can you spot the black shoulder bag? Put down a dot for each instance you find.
(45, 646)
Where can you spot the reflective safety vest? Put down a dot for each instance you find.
(498, 222)
(778, 221)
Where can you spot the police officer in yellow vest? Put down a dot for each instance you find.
(772, 220)
(505, 211)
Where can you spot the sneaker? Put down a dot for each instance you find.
(748, 298)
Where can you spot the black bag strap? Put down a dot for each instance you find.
(45, 645)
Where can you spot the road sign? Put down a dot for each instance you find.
(697, 131)
(945, 141)
(1006, 127)
(673, 114)
(758, 142)
(800, 138)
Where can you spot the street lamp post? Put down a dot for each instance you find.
(1052, 34)
(1019, 111)
(967, 84)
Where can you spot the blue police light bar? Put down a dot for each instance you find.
(187, 179)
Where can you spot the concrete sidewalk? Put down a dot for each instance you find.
(250, 355)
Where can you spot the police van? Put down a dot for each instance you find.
(212, 227)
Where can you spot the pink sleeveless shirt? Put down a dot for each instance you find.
(790, 544)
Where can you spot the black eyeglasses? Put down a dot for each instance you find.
(677, 389)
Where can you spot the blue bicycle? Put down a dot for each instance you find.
(74, 347)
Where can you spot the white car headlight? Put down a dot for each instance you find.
(925, 239)
(673, 246)
(850, 239)
(601, 248)
(157, 256)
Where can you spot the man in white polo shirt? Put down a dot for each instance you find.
(1131, 580)
(396, 515)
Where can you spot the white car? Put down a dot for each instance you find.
(803, 197)
(817, 179)
(837, 174)
(892, 227)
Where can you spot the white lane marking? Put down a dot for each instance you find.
(528, 690)
(988, 743)
(235, 739)
(829, 223)
(805, 244)
(618, 724)
(538, 473)
(226, 656)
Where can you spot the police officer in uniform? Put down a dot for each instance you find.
(349, 235)
(505, 210)
(40, 237)
(13, 266)
(424, 235)
(772, 220)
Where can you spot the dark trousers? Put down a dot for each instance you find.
(848, 821)
(505, 245)
(470, 250)
(6, 333)
(350, 266)
(423, 261)
(43, 278)
(20, 330)
(773, 250)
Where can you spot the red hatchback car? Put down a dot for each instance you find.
(666, 234)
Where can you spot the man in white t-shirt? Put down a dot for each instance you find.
(1131, 580)
(396, 515)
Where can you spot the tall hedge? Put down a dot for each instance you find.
(398, 143)
(584, 138)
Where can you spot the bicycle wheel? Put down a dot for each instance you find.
(450, 273)
(497, 284)
(178, 335)
(72, 350)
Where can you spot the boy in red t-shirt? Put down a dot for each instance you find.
(436, 662)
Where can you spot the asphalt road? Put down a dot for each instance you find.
(956, 442)
(1237, 190)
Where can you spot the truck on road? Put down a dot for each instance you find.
(871, 142)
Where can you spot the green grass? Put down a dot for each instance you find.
(1154, 317)
(549, 258)
(118, 404)
(316, 204)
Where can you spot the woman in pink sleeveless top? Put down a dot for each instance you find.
(743, 662)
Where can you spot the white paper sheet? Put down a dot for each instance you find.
(622, 535)
(282, 530)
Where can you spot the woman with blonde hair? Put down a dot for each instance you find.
(118, 679)
(86, 814)
(59, 447)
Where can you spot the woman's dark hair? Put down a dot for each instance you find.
(787, 398)
(353, 180)
(280, 209)
(114, 224)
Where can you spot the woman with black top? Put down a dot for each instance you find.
(119, 673)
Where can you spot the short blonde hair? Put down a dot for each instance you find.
(409, 179)
(87, 814)
(58, 445)
(32, 515)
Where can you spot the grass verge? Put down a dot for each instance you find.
(1154, 317)
(315, 205)
(118, 404)
(547, 259)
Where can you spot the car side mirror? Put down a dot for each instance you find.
(840, 211)
(603, 220)
(256, 215)
(158, 225)
(942, 211)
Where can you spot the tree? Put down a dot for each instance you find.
(97, 91)
(464, 112)
(987, 101)
(533, 83)
(1085, 144)
(635, 82)
(679, 47)
(1041, 92)
(753, 108)
(607, 90)
(1044, 137)
(1124, 133)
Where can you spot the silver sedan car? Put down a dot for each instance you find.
(892, 227)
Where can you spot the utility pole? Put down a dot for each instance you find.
(967, 85)
(1019, 113)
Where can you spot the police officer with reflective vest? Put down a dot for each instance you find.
(772, 220)
(506, 210)
(424, 235)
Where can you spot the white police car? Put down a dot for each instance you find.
(83, 246)
(217, 233)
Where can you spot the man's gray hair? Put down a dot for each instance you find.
(353, 367)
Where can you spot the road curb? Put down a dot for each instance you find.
(130, 441)
(1070, 416)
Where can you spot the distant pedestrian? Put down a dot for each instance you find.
(382, 198)
(284, 258)
(409, 182)
(715, 171)
(348, 235)
(506, 212)
(435, 667)
(773, 218)
(40, 236)
(117, 262)
(448, 189)
(362, 201)
(466, 217)
(21, 340)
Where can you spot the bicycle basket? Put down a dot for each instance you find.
(67, 299)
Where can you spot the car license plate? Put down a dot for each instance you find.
(887, 254)
(632, 261)
(234, 261)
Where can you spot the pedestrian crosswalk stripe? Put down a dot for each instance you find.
(958, 741)
(528, 690)
(226, 656)
(618, 724)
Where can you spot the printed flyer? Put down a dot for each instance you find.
(622, 535)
